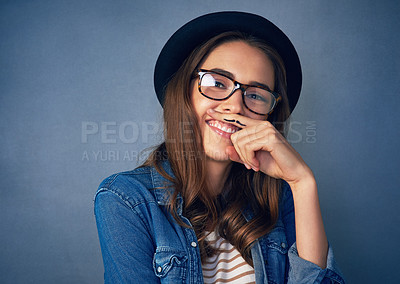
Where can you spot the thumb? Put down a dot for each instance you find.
(233, 155)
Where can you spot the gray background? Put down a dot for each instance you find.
(77, 104)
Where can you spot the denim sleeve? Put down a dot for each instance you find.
(301, 270)
(126, 244)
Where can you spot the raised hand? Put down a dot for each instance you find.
(260, 146)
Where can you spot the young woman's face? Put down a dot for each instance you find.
(243, 63)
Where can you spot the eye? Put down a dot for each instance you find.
(256, 97)
(214, 81)
(219, 85)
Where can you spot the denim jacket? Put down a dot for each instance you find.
(142, 243)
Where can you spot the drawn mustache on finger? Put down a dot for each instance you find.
(236, 121)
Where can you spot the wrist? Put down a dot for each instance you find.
(306, 183)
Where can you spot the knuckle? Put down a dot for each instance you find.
(266, 123)
(273, 137)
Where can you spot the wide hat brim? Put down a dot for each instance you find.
(196, 32)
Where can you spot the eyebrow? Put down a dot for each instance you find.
(231, 76)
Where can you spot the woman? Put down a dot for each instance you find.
(225, 198)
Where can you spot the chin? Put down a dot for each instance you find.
(219, 156)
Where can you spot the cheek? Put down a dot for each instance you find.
(255, 116)
(195, 97)
(197, 106)
(201, 104)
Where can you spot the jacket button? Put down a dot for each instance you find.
(159, 269)
(193, 244)
(283, 245)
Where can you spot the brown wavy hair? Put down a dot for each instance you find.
(183, 147)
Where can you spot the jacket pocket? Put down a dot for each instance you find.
(170, 265)
(277, 241)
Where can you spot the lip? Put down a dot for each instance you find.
(222, 128)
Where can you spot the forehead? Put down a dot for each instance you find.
(247, 63)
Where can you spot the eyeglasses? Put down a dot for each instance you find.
(216, 86)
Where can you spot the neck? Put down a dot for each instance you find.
(217, 173)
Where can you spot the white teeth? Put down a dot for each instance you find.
(223, 128)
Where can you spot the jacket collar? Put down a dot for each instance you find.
(163, 188)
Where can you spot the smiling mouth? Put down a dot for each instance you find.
(222, 126)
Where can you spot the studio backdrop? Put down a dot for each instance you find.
(77, 104)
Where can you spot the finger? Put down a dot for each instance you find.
(262, 137)
(234, 156)
(234, 153)
(246, 153)
(279, 159)
(233, 118)
(252, 132)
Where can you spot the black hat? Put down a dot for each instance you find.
(194, 33)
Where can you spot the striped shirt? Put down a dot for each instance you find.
(227, 266)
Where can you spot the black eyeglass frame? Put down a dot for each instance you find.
(238, 86)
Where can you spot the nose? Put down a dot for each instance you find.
(234, 104)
